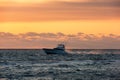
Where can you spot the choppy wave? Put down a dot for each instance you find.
(77, 65)
(94, 51)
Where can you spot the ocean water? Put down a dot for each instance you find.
(79, 64)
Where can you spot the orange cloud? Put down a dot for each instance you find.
(60, 10)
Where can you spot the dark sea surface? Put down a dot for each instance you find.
(79, 64)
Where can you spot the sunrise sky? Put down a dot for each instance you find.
(45, 23)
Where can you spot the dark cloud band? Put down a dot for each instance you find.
(80, 40)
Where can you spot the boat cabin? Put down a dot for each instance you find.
(60, 46)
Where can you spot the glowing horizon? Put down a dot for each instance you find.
(59, 26)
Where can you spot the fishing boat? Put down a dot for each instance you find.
(60, 49)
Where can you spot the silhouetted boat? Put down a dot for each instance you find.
(60, 49)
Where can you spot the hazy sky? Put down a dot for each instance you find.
(98, 20)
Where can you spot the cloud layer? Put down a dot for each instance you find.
(40, 40)
(60, 10)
